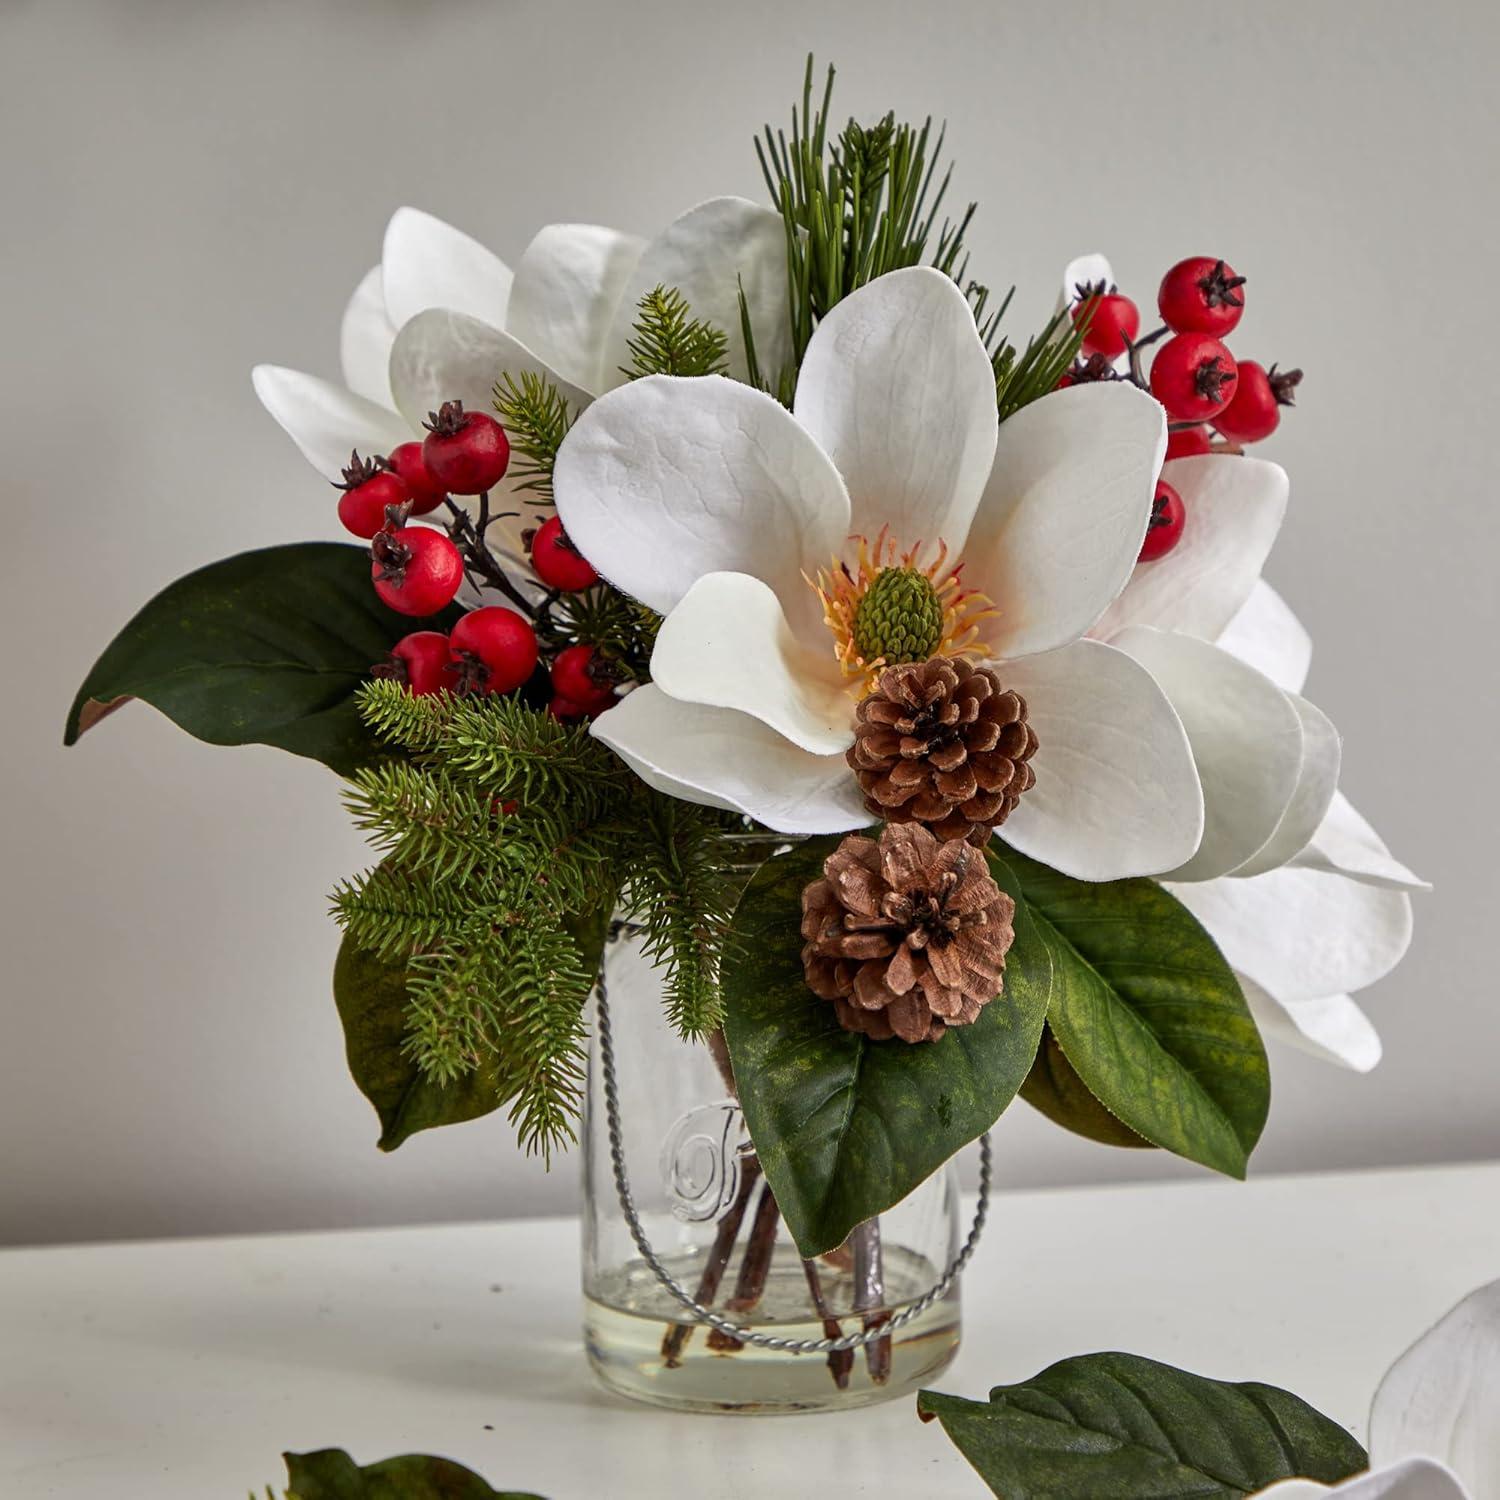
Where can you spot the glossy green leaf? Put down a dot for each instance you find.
(371, 998)
(1149, 1014)
(1053, 1087)
(264, 648)
(1119, 1427)
(330, 1474)
(846, 1127)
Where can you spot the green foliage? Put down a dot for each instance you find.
(669, 340)
(266, 648)
(536, 418)
(1148, 1014)
(1129, 1428)
(330, 1474)
(846, 1127)
(617, 626)
(865, 203)
(1054, 1088)
(508, 838)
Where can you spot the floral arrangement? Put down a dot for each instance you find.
(767, 525)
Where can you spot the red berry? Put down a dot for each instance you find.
(566, 709)
(1201, 295)
(557, 562)
(422, 661)
(1255, 412)
(1193, 376)
(368, 488)
(416, 569)
(1187, 442)
(580, 675)
(426, 493)
(1164, 530)
(496, 650)
(1113, 319)
(465, 451)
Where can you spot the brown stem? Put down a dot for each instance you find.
(678, 1334)
(840, 1361)
(755, 1268)
(477, 556)
(869, 1295)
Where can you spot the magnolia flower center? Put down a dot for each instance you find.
(886, 609)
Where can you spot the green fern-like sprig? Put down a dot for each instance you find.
(536, 418)
(669, 340)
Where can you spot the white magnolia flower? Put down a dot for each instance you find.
(441, 318)
(1435, 1420)
(1233, 659)
(708, 501)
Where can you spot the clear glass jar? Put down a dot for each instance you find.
(709, 1215)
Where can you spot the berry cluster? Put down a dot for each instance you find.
(1193, 374)
(418, 570)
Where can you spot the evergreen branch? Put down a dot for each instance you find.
(423, 815)
(398, 717)
(669, 340)
(1021, 378)
(536, 418)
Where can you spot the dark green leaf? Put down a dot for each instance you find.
(846, 1127)
(331, 1474)
(1149, 1015)
(1119, 1427)
(372, 1001)
(264, 648)
(1058, 1092)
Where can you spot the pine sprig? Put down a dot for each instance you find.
(669, 340)
(536, 418)
(1028, 375)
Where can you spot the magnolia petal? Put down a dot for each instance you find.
(899, 392)
(1234, 509)
(1116, 792)
(1317, 781)
(1411, 1479)
(1330, 1027)
(1442, 1397)
(326, 421)
(1266, 635)
(725, 759)
(568, 285)
(1347, 844)
(365, 339)
(1084, 271)
(1249, 778)
(708, 255)
(667, 479)
(448, 356)
(1063, 515)
(1302, 934)
(427, 263)
(728, 644)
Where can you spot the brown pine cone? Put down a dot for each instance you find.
(906, 936)
(940, 742)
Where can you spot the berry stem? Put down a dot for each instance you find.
(478, 559)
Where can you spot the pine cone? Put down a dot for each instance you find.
(906, 936)
(940, 742)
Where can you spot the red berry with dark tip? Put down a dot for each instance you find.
(582, 676)
(557, 562)
(496, 650)
(1193, 376)
(1188, 442)
(421, 661)
(368, 488)
(1164, 530)
(1113, 320)
(466, 452)
(426, 493)
(416, 569)
(1255, 412)
(1201, 295)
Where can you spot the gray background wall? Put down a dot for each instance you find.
(189, 188)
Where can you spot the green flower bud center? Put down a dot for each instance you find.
(900, 618)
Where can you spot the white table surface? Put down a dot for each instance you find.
(182, 1368)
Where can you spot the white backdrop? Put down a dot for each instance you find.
(191, 188)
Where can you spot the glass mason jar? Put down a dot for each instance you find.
(711, 1220)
